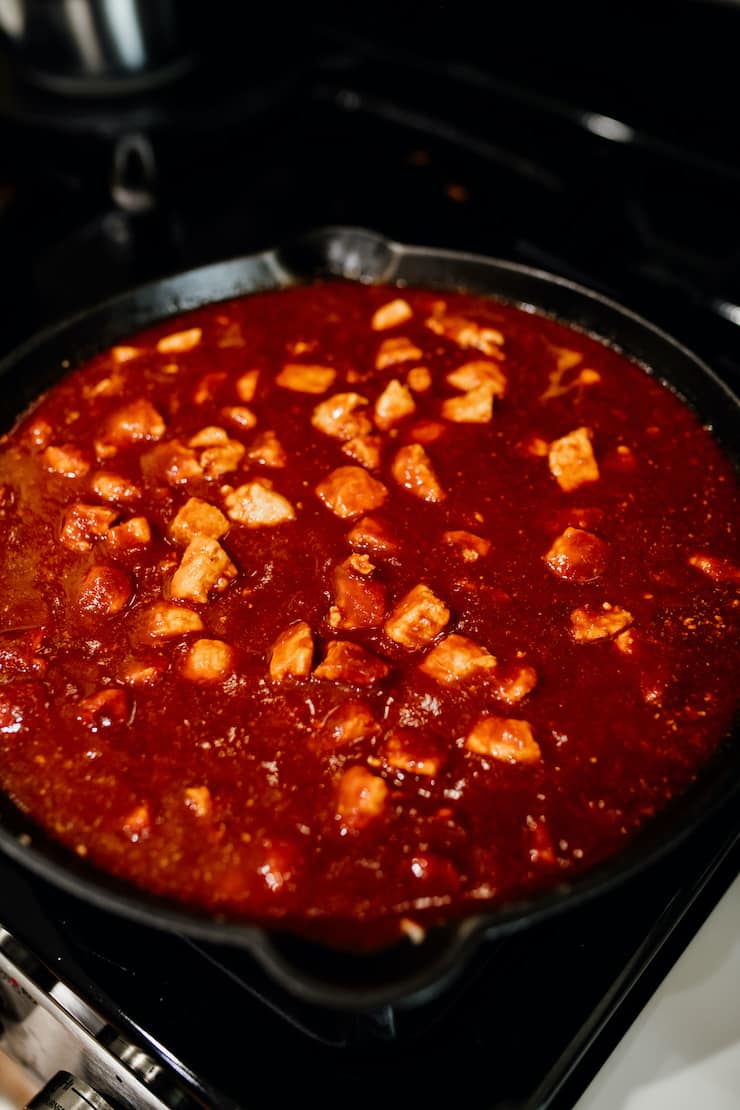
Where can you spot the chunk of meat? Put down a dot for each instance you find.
(267, 450)
(292, 652)
(208, 386)
(123, 353)
(83, 525)
(204, 566)
(470, 546)
(514, 682)
(216, 461)
(357, 602)
(104, 709)
(129, 535)
(474, 407)
(212, 435)
(239, 415)
(364, 450)
(353, 720)
(104, 590)
(178, 342)
(338, 416)
(19, 654)
(172, 463)
(409, 752)
(391, 352)
(142, 670)
(38, 434)
(479, 374)
(361, 797)
(511, 741)
(427, 431)
(197, 518)
(370, 534)
(137, 824)
(717, 568)
(164, 619)
(351, 663)
(350, 490)
(571, 459)
(458, 659)
(134, 423)
(590, 624)
(67, 460)
(246, 385)
(393, 404)
(304, 378)
(113, 488)
(419, 379)
(578, 556)
(198, 800)
(466, 333)
(391, 314)
(417, 618)
(208, 661)
(258, 505)
(412, 468)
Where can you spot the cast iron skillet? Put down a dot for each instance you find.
(405, 973)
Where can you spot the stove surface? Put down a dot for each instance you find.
(603, 165)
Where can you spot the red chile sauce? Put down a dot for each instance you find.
(555, 510)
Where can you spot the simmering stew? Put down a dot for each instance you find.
(353, 609)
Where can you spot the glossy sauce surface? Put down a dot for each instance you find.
(354, 609)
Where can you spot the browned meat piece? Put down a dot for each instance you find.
(406, 751)
(240, 416)
(222, 459)
(134, 423)
(257, 505)
(474, 407)
(178, 342)
(357, 602)
(142, 670)
(578, 556)
(479, 374)
(393, 351)
(105, 709)
(365, 450)
(198, 518)
(390, 315)
(419, 379)
(338, 416)
(104, 590)
(353, 720)
(112, 487)
(68, 460)
(514, 682)
(393, 404)
(83, 525)
(716, 567)
(246, 386)
(164, 619)
(591, 624)
(172, 463)
(361, 796)
(204, 566)
(292, 652)
(572, 461)
(129, 535)
(417, 618)
(350, 490)
(198, 800)
(470, 546)
(502, 738)
(466, 333)
(372, 535)
(208, 661)
(267, 450)
(458, 659)
(412, 468)
(351, 663)
(306, 379)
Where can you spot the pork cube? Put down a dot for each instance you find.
(351, 663)
(292, 652)
(412, 468)
(361, 797)
(479, 374)
(353, 720)
(164, 619)
(417, 618)
(408, 752)
(246, 386)
(129, 535)
(339, 417)
(303, 378)
(470, 546)
(240, 416)
(208, 387)
(511, 741)
(474, 407)
(393, 404)
(717, 568)
(83, 525)
(198, 518)
(142, 671)
(137, 824)
(267, 450)
(178, 342)
(216, 461)
(208, 661)
(172, 463)
(571, 459)
(211, 436)
(350, 490)
(134, 423)
(104, 709)
(419, 379)
(590, 624)
(68, 460)
(391, 314)
(113, 488)
(357, 602)
(104, 590)
(514, 682)
(198, 800)
(370, 534)
(365, 450)
(257, 505)
(427, 431)
(578, 556)
(458, 659)
(466, 333)
(391, 352)
(204, 566)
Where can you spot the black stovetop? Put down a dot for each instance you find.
(602, 163)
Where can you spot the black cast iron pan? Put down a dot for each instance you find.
(405, 973)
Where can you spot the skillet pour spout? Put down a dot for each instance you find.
(406, 973)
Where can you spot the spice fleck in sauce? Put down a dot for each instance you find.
(353, 609)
